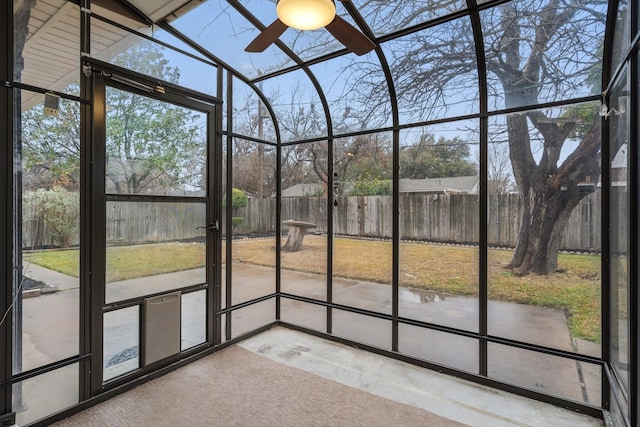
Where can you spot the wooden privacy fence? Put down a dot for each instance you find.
(451, 218)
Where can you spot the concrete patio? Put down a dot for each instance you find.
(51, 329)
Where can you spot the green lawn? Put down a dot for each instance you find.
(446, 269)
(127, 262)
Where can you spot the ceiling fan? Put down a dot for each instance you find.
(311, 15)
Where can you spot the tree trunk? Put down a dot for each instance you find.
(549, 192)
(295, 237)
(548, 185)
(544, 221)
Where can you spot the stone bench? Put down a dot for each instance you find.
(296, 234)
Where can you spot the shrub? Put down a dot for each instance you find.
(58, 208)
(366, 185)
(238, 200)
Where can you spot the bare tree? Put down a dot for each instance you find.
(536, 51)
(254, 163)
(526, 59)
(298, 164)
(500, 177)
(254, 166)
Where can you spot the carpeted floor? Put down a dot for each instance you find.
(236, 387)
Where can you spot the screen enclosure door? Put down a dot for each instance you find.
(154, 227)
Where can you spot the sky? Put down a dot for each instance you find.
(222, 30)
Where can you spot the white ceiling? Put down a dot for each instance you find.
(51, 51)
(159, 9)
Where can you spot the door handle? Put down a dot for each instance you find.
(214, 226)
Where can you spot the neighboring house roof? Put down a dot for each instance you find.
(301, 190)
(458, 184)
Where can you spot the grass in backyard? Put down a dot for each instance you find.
(450, 270)
(145, 260)
(575, 288)
(446, 269)
(62, 261)
(128, 262)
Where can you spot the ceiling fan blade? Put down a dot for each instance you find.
(267, 37)
(353, 39)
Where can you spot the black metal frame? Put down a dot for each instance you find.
(229, 224)
(473, 11)
(92, 110)
(86, 153)
(605, 302)
(615, 399)
(634, 294)
(634, 227)
(6, 191)
(483, 291)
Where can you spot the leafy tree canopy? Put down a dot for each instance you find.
(151, 146)
(440, 158)
(238, 199)
(366, 185)
(51, 147)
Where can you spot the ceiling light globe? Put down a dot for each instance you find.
(306, 14)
